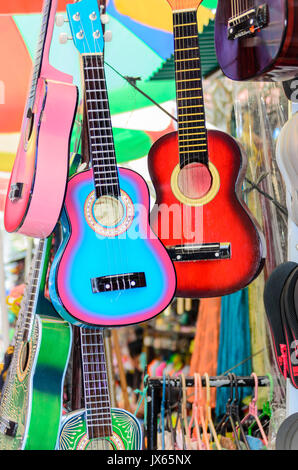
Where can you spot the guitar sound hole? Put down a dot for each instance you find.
(108, 211)
(99, 444)
(194, 180)
(24, 359)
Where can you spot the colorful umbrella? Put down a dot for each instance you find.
(142, 44)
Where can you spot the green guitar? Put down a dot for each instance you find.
(98, 427)
(32, 393)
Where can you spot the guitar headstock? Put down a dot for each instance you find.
(86, 26)
(184, 4)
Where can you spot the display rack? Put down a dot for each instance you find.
(155, 385)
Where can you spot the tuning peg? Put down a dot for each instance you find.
(60, 20)
(63, 38)
(104, 18)
(108, 35)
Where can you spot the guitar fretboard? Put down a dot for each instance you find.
(39, 53)
(192, 134)
(101, 141)
(29, 302)
(96, 387)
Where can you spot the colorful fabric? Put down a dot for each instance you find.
(234, 344)
(204, 357)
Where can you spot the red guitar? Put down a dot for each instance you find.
(199, 215)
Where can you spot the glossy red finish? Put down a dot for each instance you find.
(224, 219)
(271, 54)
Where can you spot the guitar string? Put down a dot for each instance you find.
(105, 134)
(96, 114)
(186, 32)
(92, 339)
(181, 224)
(192, 30)
(123, 252)
(104, 95)
(7, 392)
(121, 259)
(34, 76)
(86, 60)
(184, 55)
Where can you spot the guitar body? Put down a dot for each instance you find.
(127, 434)
(42, 159)
(32, 394)
(41, 162)
(93, 250)
(270, 53)
(220, 216)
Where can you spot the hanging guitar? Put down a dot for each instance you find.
(31, 400)
(199, 215)
(98, 426)
(257, 39)
(110, 269)
(42, 159)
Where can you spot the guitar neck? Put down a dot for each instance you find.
(49, 7)
(101, 141)
(96, 387)
(192, 133)
(28, 306)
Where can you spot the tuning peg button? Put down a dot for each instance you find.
(108, 35)
(63, 38)
(105, 19)
(59, 20)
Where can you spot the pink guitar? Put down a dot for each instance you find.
(39, 176)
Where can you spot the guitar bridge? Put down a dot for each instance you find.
(200, 252)
(15, 191)
(7, 427)
(248, 22)
(118, 282)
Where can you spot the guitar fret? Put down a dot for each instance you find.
(192, 114)
(100, 129)
(108, 143)
(186, 49)
(104, 143)
(190, 128)
(196, 120)
(191, 106)
(189, 70)
(193, 145)
(110, 179)
(102, 166)
(188, 80)
(190, 140)
(185, 24)
(98, 380)
(189, 97)
(189, 89)
(194, 151)
(100, 425)
(96, 101)
(98, 119)
(92, 363)
(98, 401)
(185, 37)
(187, 58)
